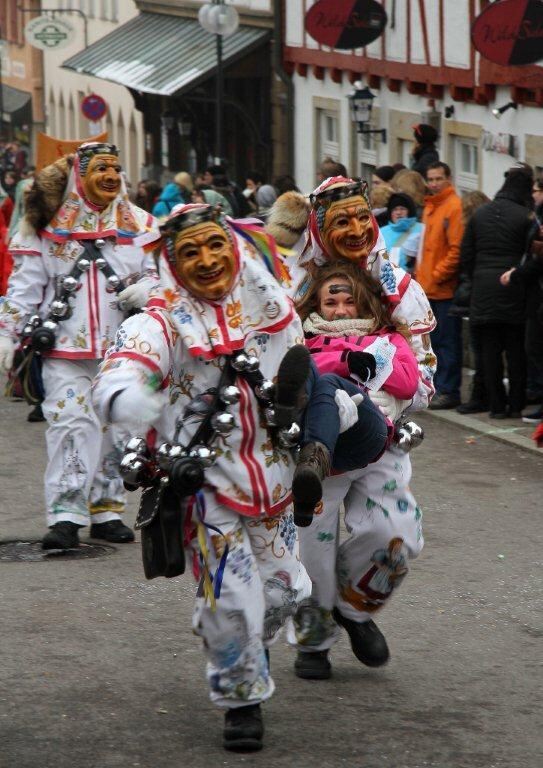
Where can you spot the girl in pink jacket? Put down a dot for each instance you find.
(355, 348)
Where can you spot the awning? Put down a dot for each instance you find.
(162, 54)
(13, 99)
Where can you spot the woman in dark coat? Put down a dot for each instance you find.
(494, 242)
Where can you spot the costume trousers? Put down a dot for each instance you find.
(82, 474)
(447, 344)
(498, 338)
(264, 581)
(358, 576)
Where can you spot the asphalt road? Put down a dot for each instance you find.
(99, 667)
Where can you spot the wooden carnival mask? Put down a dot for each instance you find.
(101, 180)
(205, 261)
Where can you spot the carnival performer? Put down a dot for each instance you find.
(81, 253)
(381, 514)
(355, 345)
(222, 301)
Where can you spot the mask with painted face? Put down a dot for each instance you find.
(100, 173)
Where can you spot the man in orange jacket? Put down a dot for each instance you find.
(437, 273)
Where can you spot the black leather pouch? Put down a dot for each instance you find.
(160, 519)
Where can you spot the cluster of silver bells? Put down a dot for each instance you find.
(139, 466)
(408, 436)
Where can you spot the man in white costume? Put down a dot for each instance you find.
(354, 580)
(82, 257)
(222, 302)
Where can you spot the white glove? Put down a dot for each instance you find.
(347, 409)
(388, 404)
(7, 351)
(136, 296)
(137, 407)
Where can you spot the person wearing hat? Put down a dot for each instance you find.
(403, 232)
(176, 192)
(424, 152)
(84, 257)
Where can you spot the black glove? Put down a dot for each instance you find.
(362, 364)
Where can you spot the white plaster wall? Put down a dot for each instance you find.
(294, 23)
(418, 55)
(457, 33)
(65, 85)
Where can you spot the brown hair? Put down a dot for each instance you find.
(380, 195)
(411, 183)
(367, 295)
(470, 202)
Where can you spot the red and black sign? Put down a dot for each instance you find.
(510, 32)
(346, 24)
(93, 107)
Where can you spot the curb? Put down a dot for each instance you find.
(507, 435)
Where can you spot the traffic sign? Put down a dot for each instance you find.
(49, 34)
(93, 107)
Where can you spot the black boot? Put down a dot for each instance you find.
(36, 414)
(114, 530)
(243, 729)
(290, 397)
(61, 535)
(367, 641)
(313, 466)
(312, 666)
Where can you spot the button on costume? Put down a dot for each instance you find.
(353, 580)
(82, 249)
(222, 299)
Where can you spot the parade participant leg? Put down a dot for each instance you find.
(357, 580)
(262, 585)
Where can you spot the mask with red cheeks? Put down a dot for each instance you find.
(102, 180)
(348, 229)
(205, 261)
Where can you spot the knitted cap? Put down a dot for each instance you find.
(425, 134)
(400, 198)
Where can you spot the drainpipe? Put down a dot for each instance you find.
(278, 6)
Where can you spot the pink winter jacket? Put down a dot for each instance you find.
(330, 356)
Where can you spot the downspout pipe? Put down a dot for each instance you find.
(277, 56)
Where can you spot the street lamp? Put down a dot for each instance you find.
(361, 102)
(498, 112)
(220, 20)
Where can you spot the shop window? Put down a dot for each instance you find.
(466, 163)
(367, 154)
(328, 135)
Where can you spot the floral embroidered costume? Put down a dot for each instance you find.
(76, 201)
(379, 507)
(222, 299)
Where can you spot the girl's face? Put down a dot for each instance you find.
(399, 212)
(336, 300)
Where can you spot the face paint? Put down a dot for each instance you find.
(102, 180)
(347, 231)
(205, 261)
(336, 301)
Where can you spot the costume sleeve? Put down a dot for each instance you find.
(26, 288)
(141, 356)
(404, 380)
(447, 267)
(415, 312)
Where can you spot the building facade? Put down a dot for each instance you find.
(422, 69)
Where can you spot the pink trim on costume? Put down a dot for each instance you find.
(252, 510)
(156, 302)
(250, 448)
(138, 358)
(243, 449)
(61, 354)
(156, 316)
(23, 252)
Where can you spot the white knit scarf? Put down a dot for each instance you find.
(349, 326)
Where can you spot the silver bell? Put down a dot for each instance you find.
(417, 433)
(51, 325)
(27, 330)
(113, 281)
(206, 456)
(223, 423)
(100, 243)
(100, 262)
(269, 415)
(34, 320)
(137, 445)
(265, 390)
(83, 265)
(253, 363)
(239, 362)
(59, 308)
(69, 283)
(163, 455)
(288, 437)
(230, 394)
(176, 451)
(131, 468)
(403, 440)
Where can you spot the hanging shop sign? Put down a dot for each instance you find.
(49, 33)
(346, 24)
(510, 32)
(93, 107)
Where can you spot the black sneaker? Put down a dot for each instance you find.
(367, 641)
(313, 665)
(534, 417)
(243, 729)
(292, 376)
(113, 530)
(61, 535)
(312, 468)
(472, 406)
(36, 415)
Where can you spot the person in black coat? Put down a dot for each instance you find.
(494, 242)
(424, 152)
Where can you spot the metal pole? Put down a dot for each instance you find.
(219, 104)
